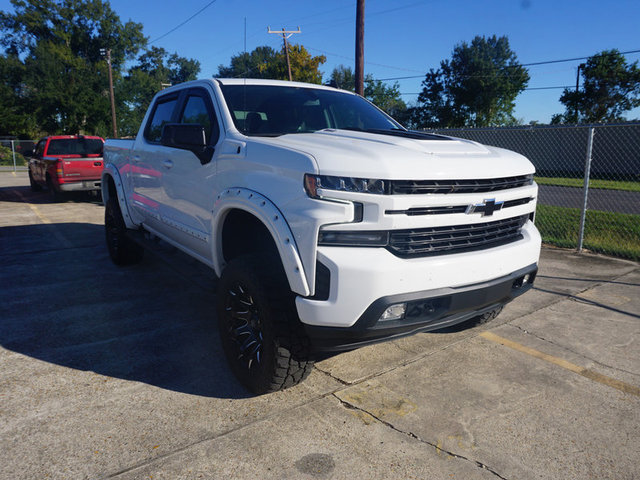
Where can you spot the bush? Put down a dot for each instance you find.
(6, 157)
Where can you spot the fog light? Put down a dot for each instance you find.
(394, 312)
(526, 278)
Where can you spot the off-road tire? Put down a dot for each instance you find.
(263, 340)
(485, 317)
(122, 250)
(34, 186)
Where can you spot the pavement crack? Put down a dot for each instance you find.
(330, 375)
(564, 347)
(437, 448)
(402, 349)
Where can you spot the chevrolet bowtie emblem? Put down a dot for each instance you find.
(487, 208)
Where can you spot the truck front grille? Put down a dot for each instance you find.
(415, 187)
(455, 239)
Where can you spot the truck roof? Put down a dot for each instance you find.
(278, 83)
(67, 137)
(255, 81)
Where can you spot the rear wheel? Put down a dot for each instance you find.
(122, 250)
(54, 194)
(261, 335)
(34, 186)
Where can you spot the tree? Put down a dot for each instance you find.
(304, 66)
(385, 97)
(55, 47)
(610, 87)
(265, 62)
(477, 87)
(54, 77)
(154, 70)
(12, 105)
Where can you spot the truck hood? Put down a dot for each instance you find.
(370, 155)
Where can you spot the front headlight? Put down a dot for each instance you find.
(313, 183)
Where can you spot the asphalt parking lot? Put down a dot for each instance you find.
(111, 372)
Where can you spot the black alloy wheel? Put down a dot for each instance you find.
(244, 326)
(262, 338)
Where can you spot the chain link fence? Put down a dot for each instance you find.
(588, 178)
(11, 154)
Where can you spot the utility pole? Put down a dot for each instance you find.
(360, 47)
(285, 35)
(107, 52)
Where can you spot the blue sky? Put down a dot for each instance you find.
(402, 37)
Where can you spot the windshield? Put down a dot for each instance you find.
(277, 110)
(75, 146)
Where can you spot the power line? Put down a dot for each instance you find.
(559, 87)
(351, 59)
(334, 22)
(187, 20)
(547, 62)
(549, 88)
(570, 59)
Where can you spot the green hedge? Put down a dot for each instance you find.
(6, 157)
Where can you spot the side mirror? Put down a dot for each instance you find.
(187, 136)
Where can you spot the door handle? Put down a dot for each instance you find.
(167, 164)
(136, 158)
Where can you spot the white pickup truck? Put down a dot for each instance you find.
(329, 224)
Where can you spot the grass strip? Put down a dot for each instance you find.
(628, 186)
(616, 234)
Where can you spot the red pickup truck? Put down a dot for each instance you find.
(65, 163)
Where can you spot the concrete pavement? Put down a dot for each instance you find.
(118, 373)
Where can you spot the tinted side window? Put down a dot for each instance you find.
(40, 148)
(162, 114)
(196, 112)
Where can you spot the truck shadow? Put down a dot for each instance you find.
(72, 307)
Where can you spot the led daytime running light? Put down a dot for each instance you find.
(312, 183)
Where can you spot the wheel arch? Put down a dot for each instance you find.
(111, 186)
(244, 222)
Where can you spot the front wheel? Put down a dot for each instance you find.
(122, 250)
(262, 337)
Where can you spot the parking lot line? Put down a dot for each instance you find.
(585, 372)
(56, 233)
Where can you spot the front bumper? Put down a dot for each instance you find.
(360, 276)
(362, 282)
(426, 311)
